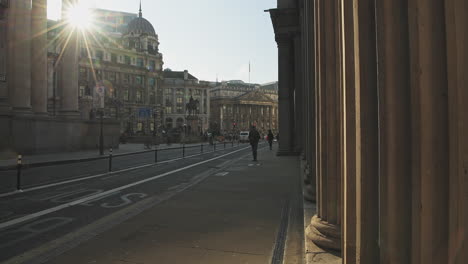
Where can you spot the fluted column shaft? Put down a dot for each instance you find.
(285, 98)
(19, 56)
(325, 228)
(69, 68)
(39, 57)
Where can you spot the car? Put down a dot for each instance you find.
(244, 136)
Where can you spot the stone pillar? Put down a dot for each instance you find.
(360, 179)
(395, 131)
(298, 95)
(39, 57)
(19, 56)
(325, 227)
(457, 67)
(285, 83)
(69, 68)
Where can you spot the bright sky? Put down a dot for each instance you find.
(207, 37)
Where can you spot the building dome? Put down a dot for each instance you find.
(140, 26)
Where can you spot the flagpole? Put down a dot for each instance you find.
(249, 72)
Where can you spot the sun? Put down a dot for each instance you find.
(79, 15)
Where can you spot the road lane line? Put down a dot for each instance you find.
(92, 197)
(96, 176)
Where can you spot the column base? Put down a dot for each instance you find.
(323, 234)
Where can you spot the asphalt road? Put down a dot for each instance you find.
(37, 176)
(30, 221)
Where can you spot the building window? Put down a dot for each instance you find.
(126, 95)
(111, 76)
(139, 126)
(151, 81)
(179, 109)
(140, 62)
(126, 78)
(180, 100)
(127, 60)
(138, 97)
(114, 57)
(82, 90)
(99, 54)
(138, 80)
(152, 64)
(168, 109)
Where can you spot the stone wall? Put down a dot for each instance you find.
(29, 135)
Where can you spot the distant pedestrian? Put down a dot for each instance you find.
(270, 137)
(277, 137)
(254, 137)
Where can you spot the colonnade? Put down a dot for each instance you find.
(378, 91)
(26, 74)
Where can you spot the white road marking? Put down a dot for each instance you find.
(93, 197)
(222, 173)
(99, 175)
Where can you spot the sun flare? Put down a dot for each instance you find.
(80, 16)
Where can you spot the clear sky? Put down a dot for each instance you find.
(207, 37)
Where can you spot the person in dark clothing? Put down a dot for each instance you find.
(254, 137)
(270, 137)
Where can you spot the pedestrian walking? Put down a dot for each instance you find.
(254, 137)
(270, 137)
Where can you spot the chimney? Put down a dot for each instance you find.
(185, 75)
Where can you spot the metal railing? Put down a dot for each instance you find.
(108, 163)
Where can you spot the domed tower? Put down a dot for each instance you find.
(140, 35)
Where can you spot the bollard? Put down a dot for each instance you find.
(183, 151)
(110, 159)
(156, 154)
(201, 147)
(18, 175)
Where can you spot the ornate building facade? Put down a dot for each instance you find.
(373, 94)
(235, 106)
(123, 59)
(179, 89)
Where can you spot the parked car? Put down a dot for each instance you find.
(244, 136)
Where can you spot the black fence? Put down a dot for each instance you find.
(21, 175)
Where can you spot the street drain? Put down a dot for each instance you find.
(278, 252)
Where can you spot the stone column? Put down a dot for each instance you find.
(457, 67)
(429, 126)
(19, 56)
(39, 57)
(298, 95)
(285, 83)
(325, 230)
(69, 68)
(395, 131)
(360, 179)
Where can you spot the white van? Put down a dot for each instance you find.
(244, 136)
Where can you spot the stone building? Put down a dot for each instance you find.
(178, 88)
(381, 119)
(123, 58)
(26, 124)
(236, 105)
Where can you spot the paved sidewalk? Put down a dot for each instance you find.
(231, 217)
